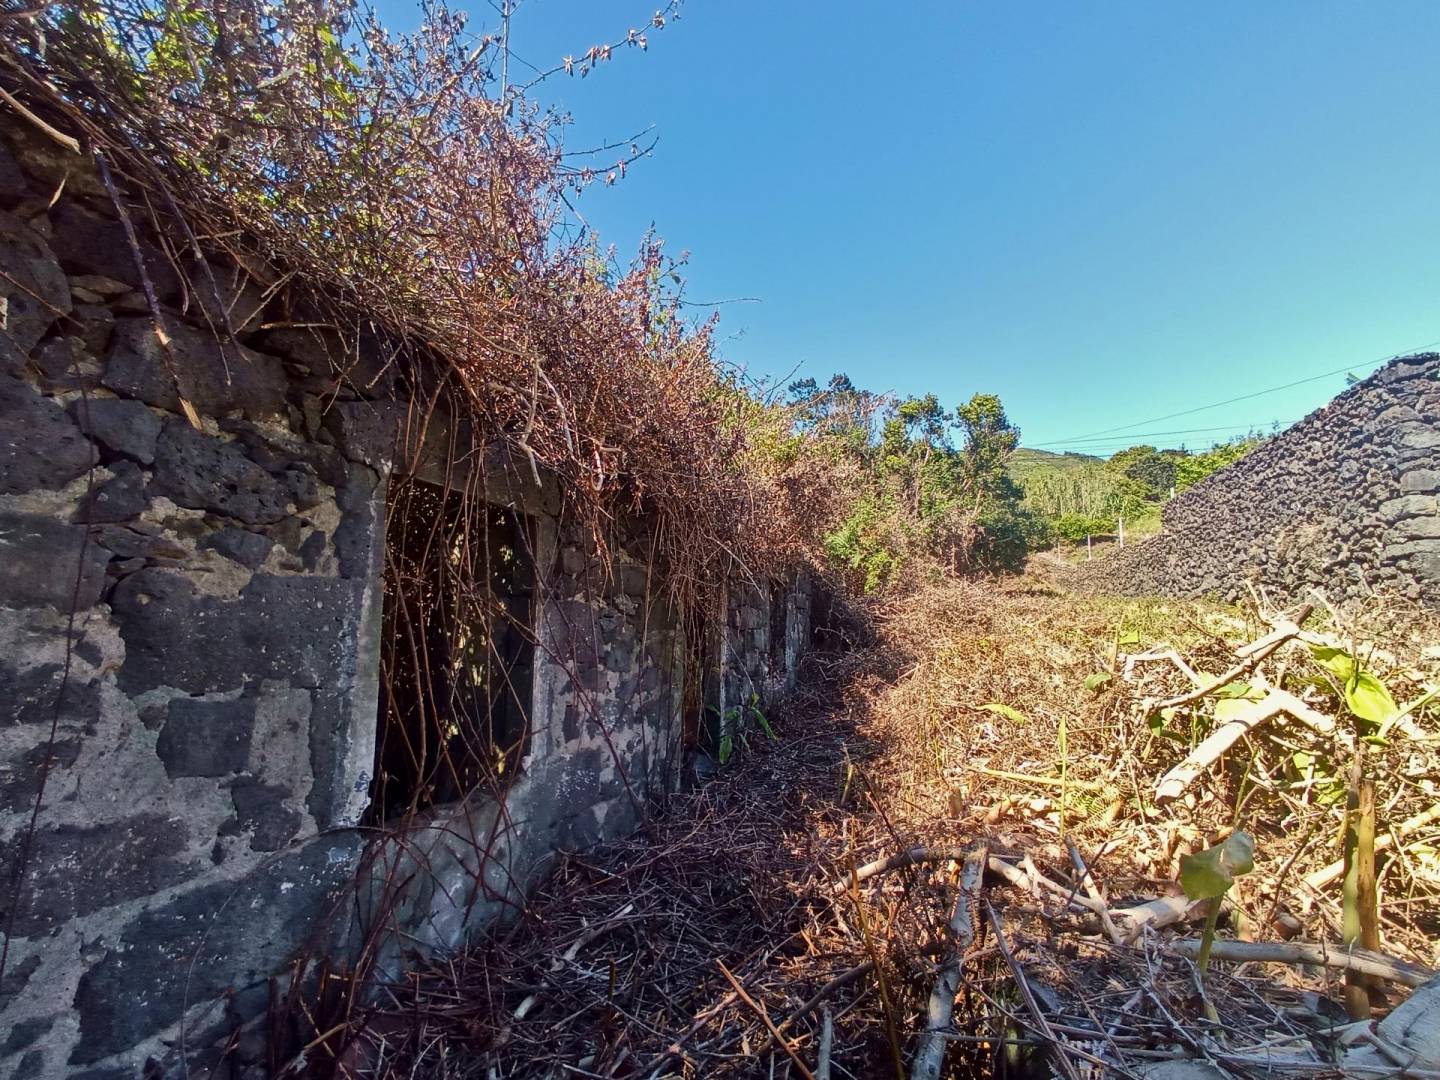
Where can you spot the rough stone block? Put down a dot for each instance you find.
(216, 380)
(206, 738)
(1421, 480)
(123, 427)
(40, 447)
(206, 473)
(87, 243)
(1416, 436)
(74, 870)
(223, 936)
(40, 559)
(260, 809)
(32, 285)
(65, 363)
(30, 696)
(300, 630)
(1418, 528)
(367, 431)
(20, 779)
(93, 325)
(120, 498)
(245, 547)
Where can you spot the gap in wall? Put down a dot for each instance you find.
(457, 651)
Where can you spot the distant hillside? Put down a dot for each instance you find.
(1024, 461)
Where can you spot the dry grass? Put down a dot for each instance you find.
(615, 969)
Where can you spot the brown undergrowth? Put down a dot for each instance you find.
(778, 897)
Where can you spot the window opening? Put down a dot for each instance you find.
(779, 602)
(458, 647)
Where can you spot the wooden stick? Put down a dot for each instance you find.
(765, 1016)
(827, 1039)
(1364, 961)
(1173, 784)
(895, 862)
(1251, 655)
(1336, 870)
(930, 1053)
(1032, 881)
(1092, 889)
(68, 142)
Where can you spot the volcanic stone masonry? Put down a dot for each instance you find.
(196, 614)
(1346, 501)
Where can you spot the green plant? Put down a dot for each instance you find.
(1209, 875)
(733, 726)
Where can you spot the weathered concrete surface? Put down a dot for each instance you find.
(197, 615)
(1347, 501)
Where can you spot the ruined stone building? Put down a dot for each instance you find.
(274, 683)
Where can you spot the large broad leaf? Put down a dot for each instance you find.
(1368, 699)
(1210, 873)
(1365, 695)
(1006, 711)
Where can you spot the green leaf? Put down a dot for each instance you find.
(1130, 637)
(1368, 698)
(1365, 695)
(1238, 690)
(765, 724)
(727, 748)
(1005, 711)
(1097, 681)
(1336, 661)
(1211, 872)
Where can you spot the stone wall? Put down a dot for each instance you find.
(1347, 501)
(190, 663)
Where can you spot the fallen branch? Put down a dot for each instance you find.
(1041, 1024)
(1199, 760)
(1361, 961)
(1155, 914)
(912, 857)
(1250, 654)
(930, 1053)
(1092, 889)
(827, 1039)
(1034, 880)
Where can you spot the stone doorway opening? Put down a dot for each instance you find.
(457, 648)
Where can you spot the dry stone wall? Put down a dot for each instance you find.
(190, 663)
(1346, 501)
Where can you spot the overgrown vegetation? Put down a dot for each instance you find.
(1078, 497)
(923, 489)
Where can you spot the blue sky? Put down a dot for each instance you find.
(1103, 212)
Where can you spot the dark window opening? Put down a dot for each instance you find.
(779, 602)
(700, 722)
(457, 651)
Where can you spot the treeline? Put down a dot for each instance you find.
(1092, 497)
(912, 486)
(904, 487)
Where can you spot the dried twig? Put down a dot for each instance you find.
(930, 1054)
(1363, 961)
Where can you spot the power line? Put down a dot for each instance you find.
(1247, 397)
(1130, 440)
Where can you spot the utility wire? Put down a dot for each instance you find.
(1247, 397)
(1155, 434)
